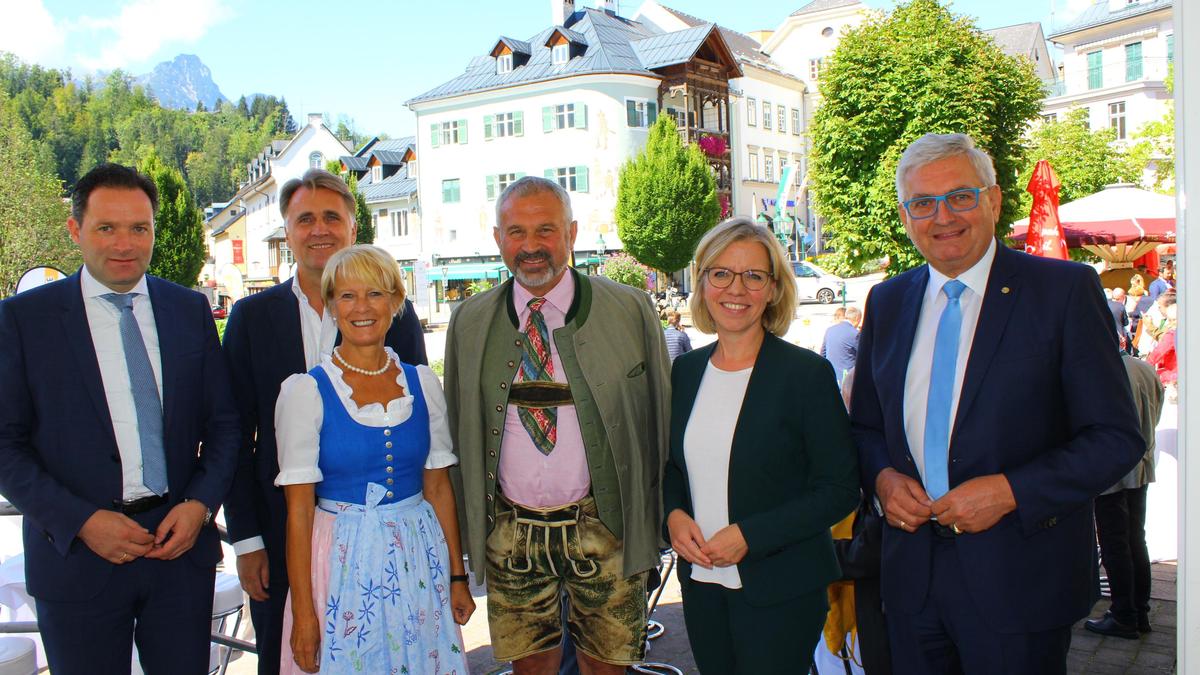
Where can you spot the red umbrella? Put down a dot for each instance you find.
(1045, 237)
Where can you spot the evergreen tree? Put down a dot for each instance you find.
(898, 76)
(666, 200)
(178, 226)
(362, 214)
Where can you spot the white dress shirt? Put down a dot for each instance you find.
(920, 362)
(299, 412)
(318, 332)
(104, 323)
(707, 444)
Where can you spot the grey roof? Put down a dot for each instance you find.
(237, 213)
(395, 187)
(609, 50)
(278, 234)
(666, 49)
(1018, 39)
(278, 146)
(518, 46)
(354, 163)
(390, 157)
(819, 5)
(745, 48)
(1098, 15)
(401, 144)
(571, 35)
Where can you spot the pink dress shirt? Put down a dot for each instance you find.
(527, 476)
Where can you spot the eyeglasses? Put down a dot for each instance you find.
(958, 201)
(753, 280)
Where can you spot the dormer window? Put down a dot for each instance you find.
(504, 64)
(560, 54)
(376, 174)
(316, 161)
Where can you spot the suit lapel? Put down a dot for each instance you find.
(688, 383)
(285, 322)
(902, 340)
(998, 302)
(166, 322)
(79, 336)
(757, 402)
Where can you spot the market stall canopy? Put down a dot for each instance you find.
(1118, 214)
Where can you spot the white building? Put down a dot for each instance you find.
(1115, 58)
(572, 103)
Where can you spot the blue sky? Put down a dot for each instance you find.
(359, 59)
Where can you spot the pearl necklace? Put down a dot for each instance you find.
(387, 363)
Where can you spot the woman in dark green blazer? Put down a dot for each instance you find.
(761, 465)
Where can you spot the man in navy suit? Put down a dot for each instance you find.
(270, 335)
(118, 440)
(840, 344)
(990, 407)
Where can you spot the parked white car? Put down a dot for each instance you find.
(814, 283)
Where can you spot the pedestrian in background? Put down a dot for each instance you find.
(678, 341)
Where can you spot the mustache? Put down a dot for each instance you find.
(525, 255)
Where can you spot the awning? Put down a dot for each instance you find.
(1118, 214)
(277, 235)
(467, 271)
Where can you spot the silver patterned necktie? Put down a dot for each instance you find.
(145, 395)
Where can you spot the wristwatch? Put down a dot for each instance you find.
(208, 514)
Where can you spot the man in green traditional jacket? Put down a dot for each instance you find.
(558, 393)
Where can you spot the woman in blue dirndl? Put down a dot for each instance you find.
(373, 554)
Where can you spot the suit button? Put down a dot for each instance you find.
(512, 364)
(387, 432)
(388, 458)
(390, 470)
(517, 343)
(389, 494)
(495, 432)
(489, 497)
(388, 444)
(499, 408)
(491, 476)
(504, 385)
(491, 519)
(390, 481)
(491, 453)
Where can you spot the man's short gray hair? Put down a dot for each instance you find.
(314, 179)
(934, 147)
(532, 185)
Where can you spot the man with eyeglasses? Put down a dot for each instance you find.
(990, 407)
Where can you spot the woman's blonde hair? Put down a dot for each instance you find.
(369, 264)
(780, 309)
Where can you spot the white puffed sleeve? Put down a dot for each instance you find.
(298, 416)
(441, 452)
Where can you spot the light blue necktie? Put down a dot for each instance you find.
(145, 396)
(941, 392)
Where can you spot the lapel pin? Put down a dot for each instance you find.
(1004, 290)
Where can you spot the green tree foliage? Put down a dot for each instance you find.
(77, 125)
(178, 226)
(1156, 143)
(624, 269)
(1084, 160)
(896, 77)
(362, 215)
(666, 200)
(33, 214)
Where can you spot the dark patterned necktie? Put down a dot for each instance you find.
(536, 365)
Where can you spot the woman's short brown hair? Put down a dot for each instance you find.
(370, 264)
(780, 309)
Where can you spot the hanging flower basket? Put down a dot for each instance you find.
(713, 146)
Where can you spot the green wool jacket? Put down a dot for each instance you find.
(615, 359)
(793, 468)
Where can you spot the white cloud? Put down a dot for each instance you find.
(30, 32)
(143, 27)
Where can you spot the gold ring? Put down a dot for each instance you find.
(124, 555)
(903, 525)
(955, 528)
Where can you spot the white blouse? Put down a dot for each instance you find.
(299, 413)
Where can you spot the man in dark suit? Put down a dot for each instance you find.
(118, 440)
(840, 344)
(270, 335)
(1116, 306)
(990, 407)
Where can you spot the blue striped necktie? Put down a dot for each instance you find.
(941, 392)
(145, 396)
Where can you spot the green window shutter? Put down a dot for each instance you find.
(580, 115)
(1171, 48)
(581, 178)
(518, 123)
(462, 132)
(489, 123)
(519, 175)
(446, 192)
(631, 113)
(491, 187)
(551, 174)
(651, 112)
(1095, 70)
(547, 119)
(1133, 62)
(435, 135)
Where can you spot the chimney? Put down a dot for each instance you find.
(315, 119)
(610, 7)
(561, 10)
